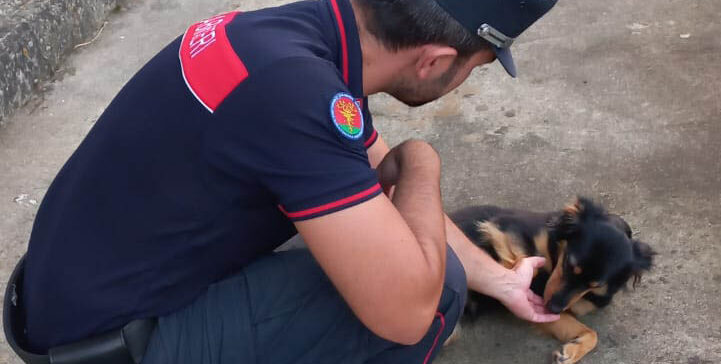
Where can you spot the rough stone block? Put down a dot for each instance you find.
(35, 37)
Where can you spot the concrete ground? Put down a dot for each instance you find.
(618, 100)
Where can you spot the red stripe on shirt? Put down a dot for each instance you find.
(344, 45)
(371, 139)
(435, 342)
(331, 205)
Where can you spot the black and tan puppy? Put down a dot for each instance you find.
(590, 255)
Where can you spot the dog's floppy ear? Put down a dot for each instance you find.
(642, 259)
(571, 216)
(567, 223)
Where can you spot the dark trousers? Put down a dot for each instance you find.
(282, 309)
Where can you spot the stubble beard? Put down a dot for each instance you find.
(414, 93)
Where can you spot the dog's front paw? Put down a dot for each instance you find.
(570, 353)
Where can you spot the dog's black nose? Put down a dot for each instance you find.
(554, 307)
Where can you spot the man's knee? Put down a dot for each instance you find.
(450, 309)
(455, 274)
(455, 289)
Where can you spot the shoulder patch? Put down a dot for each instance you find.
(211, 68)
(347, 115)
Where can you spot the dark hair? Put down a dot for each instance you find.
(402, 24)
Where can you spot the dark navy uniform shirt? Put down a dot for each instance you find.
(201, 163)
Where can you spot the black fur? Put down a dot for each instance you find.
(600, 244)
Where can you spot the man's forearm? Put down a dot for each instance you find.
(480, 269)
(483, 273)
(417, 197)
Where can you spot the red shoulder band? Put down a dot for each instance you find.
(210, 66)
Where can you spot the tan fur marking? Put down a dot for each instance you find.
(582, 307)
(506, 245)
(577, 270)
(573, 208)
(575, 299)
(554, 282)
(578, 338)
(541, 242)
(601, 291)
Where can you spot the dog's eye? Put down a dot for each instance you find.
(572, 264)
(572, 260)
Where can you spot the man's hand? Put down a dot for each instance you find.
(388, 171)
(408, 156)
(514, 292)
(387, 256)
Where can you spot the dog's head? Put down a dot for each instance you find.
(595, 253)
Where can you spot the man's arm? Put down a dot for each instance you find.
(387, 258)
(485, 275)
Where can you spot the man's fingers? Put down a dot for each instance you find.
(534, 298)
(531, 309)
(536, 262)
(538, 307)
(541, 314)
(537, 314)
(544, 317)
(534, 310)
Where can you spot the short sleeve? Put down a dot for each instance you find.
(295, 130)
(370, 135)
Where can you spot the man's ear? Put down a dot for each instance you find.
(434, 60)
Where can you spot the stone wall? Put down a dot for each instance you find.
(35, 37)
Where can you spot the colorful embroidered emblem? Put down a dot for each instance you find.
(347, 116)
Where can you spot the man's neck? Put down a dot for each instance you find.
(380, 66)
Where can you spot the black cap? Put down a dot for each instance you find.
(498, 21)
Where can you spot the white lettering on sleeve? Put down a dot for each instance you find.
(204, 35)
